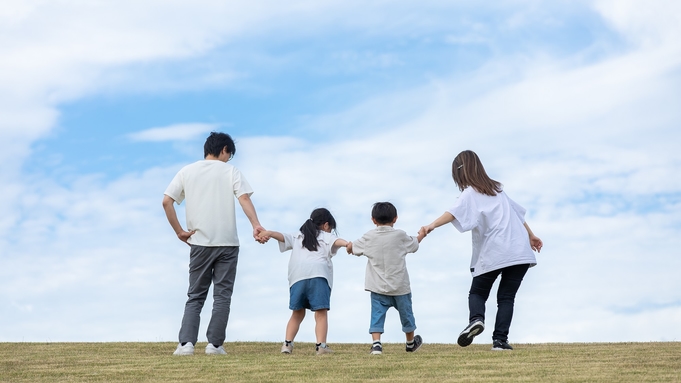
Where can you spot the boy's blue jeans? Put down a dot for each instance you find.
(379, 307)
(511, 277)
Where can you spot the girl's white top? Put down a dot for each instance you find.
(496, 223)
(306, 264)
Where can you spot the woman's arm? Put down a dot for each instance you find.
(446, 217)
(535, 242)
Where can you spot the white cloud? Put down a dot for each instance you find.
(175, 132)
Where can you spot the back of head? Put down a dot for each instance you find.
(216, 142)
(311, 227)
(467, 170)
(384, 212)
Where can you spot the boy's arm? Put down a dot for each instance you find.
(535, 242)
(171, 214)
(422, 234)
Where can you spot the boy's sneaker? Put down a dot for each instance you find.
(212, 350)
(500, 345)
(377, 349)
(187, 349)
(471, 331)
(287, 348)
(321, 350)
(418, 341)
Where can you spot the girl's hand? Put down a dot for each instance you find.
(348, 247)
(536, 243)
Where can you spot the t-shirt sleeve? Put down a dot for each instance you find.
(411, 244)
(519, 210)
(176, 188)
(241, 185)
(464, 212)
(359, 246)
(333, 249)
(287, 244)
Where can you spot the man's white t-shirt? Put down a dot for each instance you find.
(209, 188)
(306, 264)
(496, 223)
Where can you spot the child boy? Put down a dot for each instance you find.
(386, 274)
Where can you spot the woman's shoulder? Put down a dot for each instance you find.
(328, 238)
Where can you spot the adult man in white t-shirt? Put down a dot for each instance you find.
(209, 188)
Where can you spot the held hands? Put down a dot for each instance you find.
(259, 234)
(348, 247)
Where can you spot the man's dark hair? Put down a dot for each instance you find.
(216, 142)
(384, 212)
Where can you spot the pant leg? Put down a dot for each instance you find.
(379, 307)
(200, 276)
(477, 296)
(224, 274)
(511, 277)
(404, 308)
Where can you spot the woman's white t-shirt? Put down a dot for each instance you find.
(496, 223)
(306, 264)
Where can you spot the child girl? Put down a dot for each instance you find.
(502, 245)
(310, 274)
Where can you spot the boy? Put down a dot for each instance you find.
(386, 274)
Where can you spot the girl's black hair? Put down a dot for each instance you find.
(311, 227)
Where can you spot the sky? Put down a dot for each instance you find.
(572, 105)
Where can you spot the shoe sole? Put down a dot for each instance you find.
(285, 351)
(376, 352)
(466, 337)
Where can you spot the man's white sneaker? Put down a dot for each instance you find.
(287, 348)
(212, 350)
(187, 349)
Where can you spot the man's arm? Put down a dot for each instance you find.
(172, 219)
(249, 210)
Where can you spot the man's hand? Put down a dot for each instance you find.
(184, 236)
(348, 247)
(260, 238)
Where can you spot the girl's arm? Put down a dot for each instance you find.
(271, 234)
(340, 243)
(535, 242)
(446, 217)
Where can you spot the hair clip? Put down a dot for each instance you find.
(460, 166)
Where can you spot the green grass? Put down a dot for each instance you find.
(262, 362)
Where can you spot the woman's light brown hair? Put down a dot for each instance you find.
(467, 170)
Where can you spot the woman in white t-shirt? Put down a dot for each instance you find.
(310, 274)
(503, 245)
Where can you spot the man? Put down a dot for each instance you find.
(209, 187)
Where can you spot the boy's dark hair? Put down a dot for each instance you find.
(311, 227)
(384, 212)
(216, 142)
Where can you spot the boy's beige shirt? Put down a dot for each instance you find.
(386, 249)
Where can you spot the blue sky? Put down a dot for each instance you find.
(572, 105)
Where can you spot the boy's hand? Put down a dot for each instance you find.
(348, 247)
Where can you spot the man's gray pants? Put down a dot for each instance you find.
(206, 265)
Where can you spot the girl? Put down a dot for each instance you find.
(502, 245)
(310, 274)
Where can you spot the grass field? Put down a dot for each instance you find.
(262, 362)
